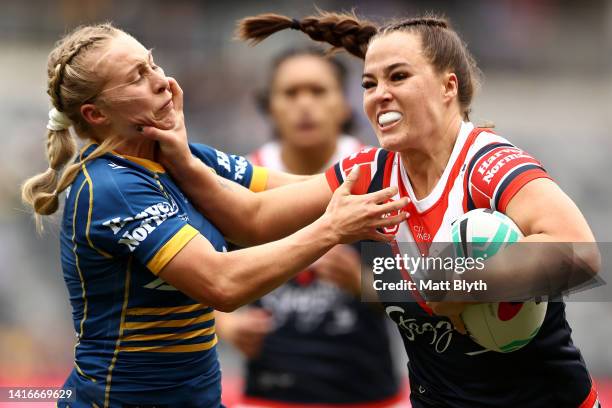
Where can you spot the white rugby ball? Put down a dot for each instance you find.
(503, 326)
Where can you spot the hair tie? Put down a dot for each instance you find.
(58, 120)
(295, 24)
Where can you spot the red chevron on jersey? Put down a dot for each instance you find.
(363, 156)
(366, 159)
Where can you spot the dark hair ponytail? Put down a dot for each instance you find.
(341, 30)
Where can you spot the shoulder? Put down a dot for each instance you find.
(373, 163)
(112, 185)
(497, 169)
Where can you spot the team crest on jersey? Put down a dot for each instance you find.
(395, 228)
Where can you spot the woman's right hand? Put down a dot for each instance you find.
(173, 142)
(357, 217)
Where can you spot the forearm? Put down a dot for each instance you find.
(248, 218)
(280, 178)
(222, 201)
(538, 265)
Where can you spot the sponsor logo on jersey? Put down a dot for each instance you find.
(441, 332)
(150, 218)
(115, 166)
(241, 167)
(223, 160)
(509, 154)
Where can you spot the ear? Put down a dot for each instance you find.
(93, 115)
(450, 86)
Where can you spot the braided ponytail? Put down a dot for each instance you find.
(341, 30)
(440, 42)
(70, 84)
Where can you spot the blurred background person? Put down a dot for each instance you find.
(312, 341)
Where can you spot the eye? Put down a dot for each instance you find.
(318, 90)
(139, 77)
(398, 76)
(291, 92)
(367, 84)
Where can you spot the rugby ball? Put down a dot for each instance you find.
(504, 326)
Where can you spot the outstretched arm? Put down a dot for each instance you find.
(248, 218)
(244, 217)
(227, 280)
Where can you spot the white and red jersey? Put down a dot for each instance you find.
(269, 155)
(445, 367)
(484, 171)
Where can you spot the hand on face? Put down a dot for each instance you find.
(172, 139)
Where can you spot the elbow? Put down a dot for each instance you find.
(590, 256)
(223, 296)
(587, 252)
(227, 307)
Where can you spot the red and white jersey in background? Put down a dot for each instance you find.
(269, 155)
(484, 171)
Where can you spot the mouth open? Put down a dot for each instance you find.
(388, 119)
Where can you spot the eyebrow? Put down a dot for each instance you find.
(387, 69)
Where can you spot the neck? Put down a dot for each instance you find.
(425, 165)
(143, 148)
(306, 161)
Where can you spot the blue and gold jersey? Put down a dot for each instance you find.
(140, 340)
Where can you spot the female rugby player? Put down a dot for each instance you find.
(289, 334)
(419, 80)
(144, 269)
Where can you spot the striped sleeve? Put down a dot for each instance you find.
(232, 167)
(497, 172)
(366, 158)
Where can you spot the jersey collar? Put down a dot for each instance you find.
(150, 165)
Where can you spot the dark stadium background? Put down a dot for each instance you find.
(548, 87)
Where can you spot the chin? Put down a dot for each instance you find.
(391, 143)
(306, 140)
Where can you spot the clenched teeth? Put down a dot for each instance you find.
(388, 118)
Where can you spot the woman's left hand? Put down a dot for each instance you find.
(453, 311)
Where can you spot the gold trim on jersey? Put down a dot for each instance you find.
(126, 294)
(137, 311)
(170, 336)
(82, 280)
(259, 179)
(169, 323)
(182, 348)
(146, 163)
(89, 212)
(171, 248)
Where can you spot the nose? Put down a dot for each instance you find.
(159, 81)
(382, 94)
